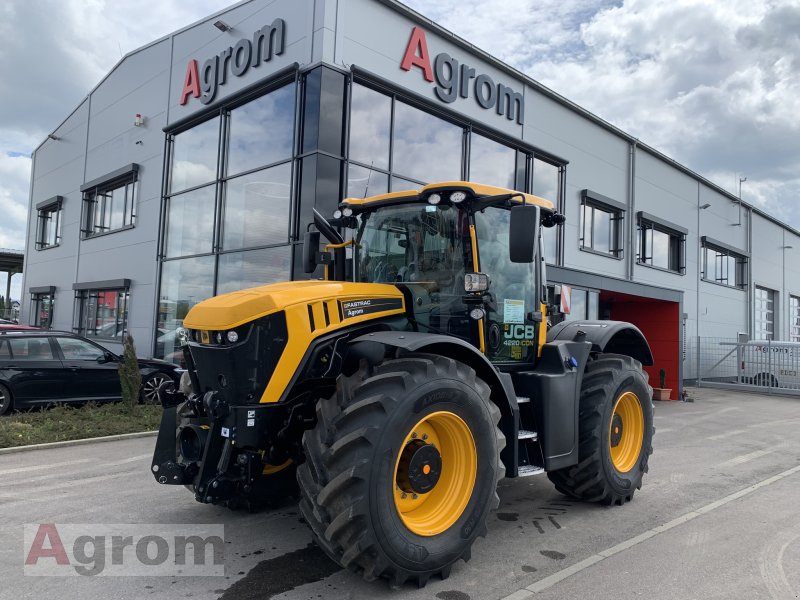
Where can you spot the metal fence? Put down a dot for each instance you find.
(763, 365)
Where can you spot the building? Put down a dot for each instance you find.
(193, 167)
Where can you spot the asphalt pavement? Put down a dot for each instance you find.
(718, 517)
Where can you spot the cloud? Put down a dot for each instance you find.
(715, 85)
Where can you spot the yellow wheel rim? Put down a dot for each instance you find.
(431, 512)
(626, 432)
(272, 469)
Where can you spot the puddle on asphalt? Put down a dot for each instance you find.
(452, 595)
(283, 573)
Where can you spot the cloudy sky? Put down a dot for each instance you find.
(715, 85)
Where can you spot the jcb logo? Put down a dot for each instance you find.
(516, 332)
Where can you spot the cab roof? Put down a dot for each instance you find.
(474, 191)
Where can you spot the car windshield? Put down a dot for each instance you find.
(414, 243)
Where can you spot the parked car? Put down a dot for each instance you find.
(6, 325)
(44, 367)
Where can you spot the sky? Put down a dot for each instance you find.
(714, 85)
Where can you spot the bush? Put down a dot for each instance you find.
(129, 375)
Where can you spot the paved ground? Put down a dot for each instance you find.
(716, 518)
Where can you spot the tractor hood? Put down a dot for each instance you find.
(237, 308)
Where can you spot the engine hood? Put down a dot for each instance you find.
(237, 308)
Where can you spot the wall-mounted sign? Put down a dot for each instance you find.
(455, 80)
(237, 59)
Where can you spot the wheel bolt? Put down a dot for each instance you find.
(413, 435)
(424, 436)
(404, 495)
(414, 496)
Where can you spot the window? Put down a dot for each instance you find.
(723, 264)
(764, 313)
(75, 349)
(102, 312)
(48, 227)
(794, 319)
(395, 146)
(661, 244)
(228, 207)
(31, 349)
(110, 202)
(42, 307)
(601, 224)
(583, 305)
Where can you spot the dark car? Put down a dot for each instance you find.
(43, 367)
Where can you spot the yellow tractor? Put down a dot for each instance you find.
(395, 392)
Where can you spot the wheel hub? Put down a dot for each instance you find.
(616, 430)
(419, 468)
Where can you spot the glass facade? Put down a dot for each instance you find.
(794, 319)
(241, 184)
(227, 214)
(396, 146)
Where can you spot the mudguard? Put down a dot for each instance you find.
(614, 337)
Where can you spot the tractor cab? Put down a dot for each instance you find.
(467, 256)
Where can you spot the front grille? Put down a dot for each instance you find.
(239, 372)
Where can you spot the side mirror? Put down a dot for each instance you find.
(105, 358)
(523, 233)
(310, 251)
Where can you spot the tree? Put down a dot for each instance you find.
(129, 375)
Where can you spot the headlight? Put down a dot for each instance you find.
(476, 282)
(233, 337)
(434, 199)
(477, 313)
(337, 214)
(457, 197)
(347, 211)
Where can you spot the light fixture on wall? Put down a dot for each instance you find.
(53, 137)
(222, 26)
(705, 206)
(138, 120)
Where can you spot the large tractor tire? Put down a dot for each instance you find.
(616, 433)
(402, 468)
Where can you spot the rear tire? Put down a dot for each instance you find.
(616, 433)
(6, 402)
(366, 446)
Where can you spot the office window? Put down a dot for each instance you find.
(660, 244)
(48, 228)
(42, 310)
(764, 313)
(723, 265)
(546, 183)
(110, 206)
(492, 163)
(102, 313)
(794, 319)
(601, 224)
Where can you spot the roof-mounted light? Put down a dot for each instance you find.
(337, 214)
(458, 196)
(347, 211)
(434, 198)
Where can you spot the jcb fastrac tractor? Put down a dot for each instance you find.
(396, 392)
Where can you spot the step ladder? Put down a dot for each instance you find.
(528, 450)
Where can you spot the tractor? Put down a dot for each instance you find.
(427, 361)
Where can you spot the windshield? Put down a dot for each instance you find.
(414, 243)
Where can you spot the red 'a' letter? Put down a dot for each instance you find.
(191, 83)
(56, 550)
(419, 59)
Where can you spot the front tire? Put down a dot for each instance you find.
(402, 468)
(616, 433)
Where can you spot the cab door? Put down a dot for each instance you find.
(513, 316)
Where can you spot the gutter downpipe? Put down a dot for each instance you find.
(631, 206)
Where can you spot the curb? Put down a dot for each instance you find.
(84, 441)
